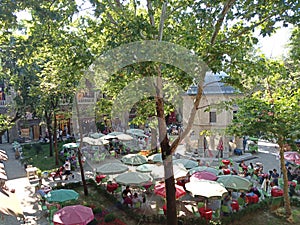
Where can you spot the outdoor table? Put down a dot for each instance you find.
(235, 205)
(276, 192)
(252, 198)
(31, 172)
(226, 171)
(205, 213)
(226, 162)
(111, 187)
(100, 177)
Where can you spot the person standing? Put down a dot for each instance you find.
(67, 167)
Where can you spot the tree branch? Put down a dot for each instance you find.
(150, 13)
(220, 21)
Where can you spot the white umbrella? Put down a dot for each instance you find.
(3, 156)
(2, 171)
(158, 172)
(112, 168)
(3, 176)
(124, 137)
(1, 165)
(206, 188)
(2, 151)
(107, 137)
(133, 178)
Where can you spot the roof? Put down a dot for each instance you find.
(212, 85)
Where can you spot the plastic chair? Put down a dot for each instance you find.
(225, 210)
(201, 204)
(196, 213)
(276, 202)
(216, 214)
(241, 201)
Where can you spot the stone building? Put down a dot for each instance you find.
(211, 120)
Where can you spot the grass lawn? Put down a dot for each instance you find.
(39, 156)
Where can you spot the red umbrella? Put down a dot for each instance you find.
(73, 215)
(160, 189)
(203, 175)
(292, 156)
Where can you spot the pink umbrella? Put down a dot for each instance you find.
(292, 156)
(203, 175)
(160, 189)
(73, 215)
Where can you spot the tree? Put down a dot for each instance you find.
(269, 111)
(221, 33)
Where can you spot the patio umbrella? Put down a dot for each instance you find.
(107, 137)
(203, 175)
(2, 165)
(3, 176)
(124, 137)
(145, 168)
(155, 157)
(203, 168)
(132, 178)
(160, 190)
(96, 135)
(71, 145)
(135, 131)
(2, 151)
(3, 156)
(2, 171)
(112, 168)
(187, 163)
(115, 133)
(292, 157)
(235, 182)
(158, 172)
(134, 159)
(10, 204)
(61, 195)
(205, 188)
(73, 215)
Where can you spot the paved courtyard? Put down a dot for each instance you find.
(25, 190)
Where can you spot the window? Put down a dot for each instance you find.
(234, 115)
(212, 117)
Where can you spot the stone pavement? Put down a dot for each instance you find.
(25, 190)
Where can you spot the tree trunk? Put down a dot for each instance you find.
(287, 203)
(55, 139)
(49, 127)
(166, 155)
(154, 148)
(85, 189)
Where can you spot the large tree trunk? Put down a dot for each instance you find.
(166, 155)
(287, 203)
(55, 139)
